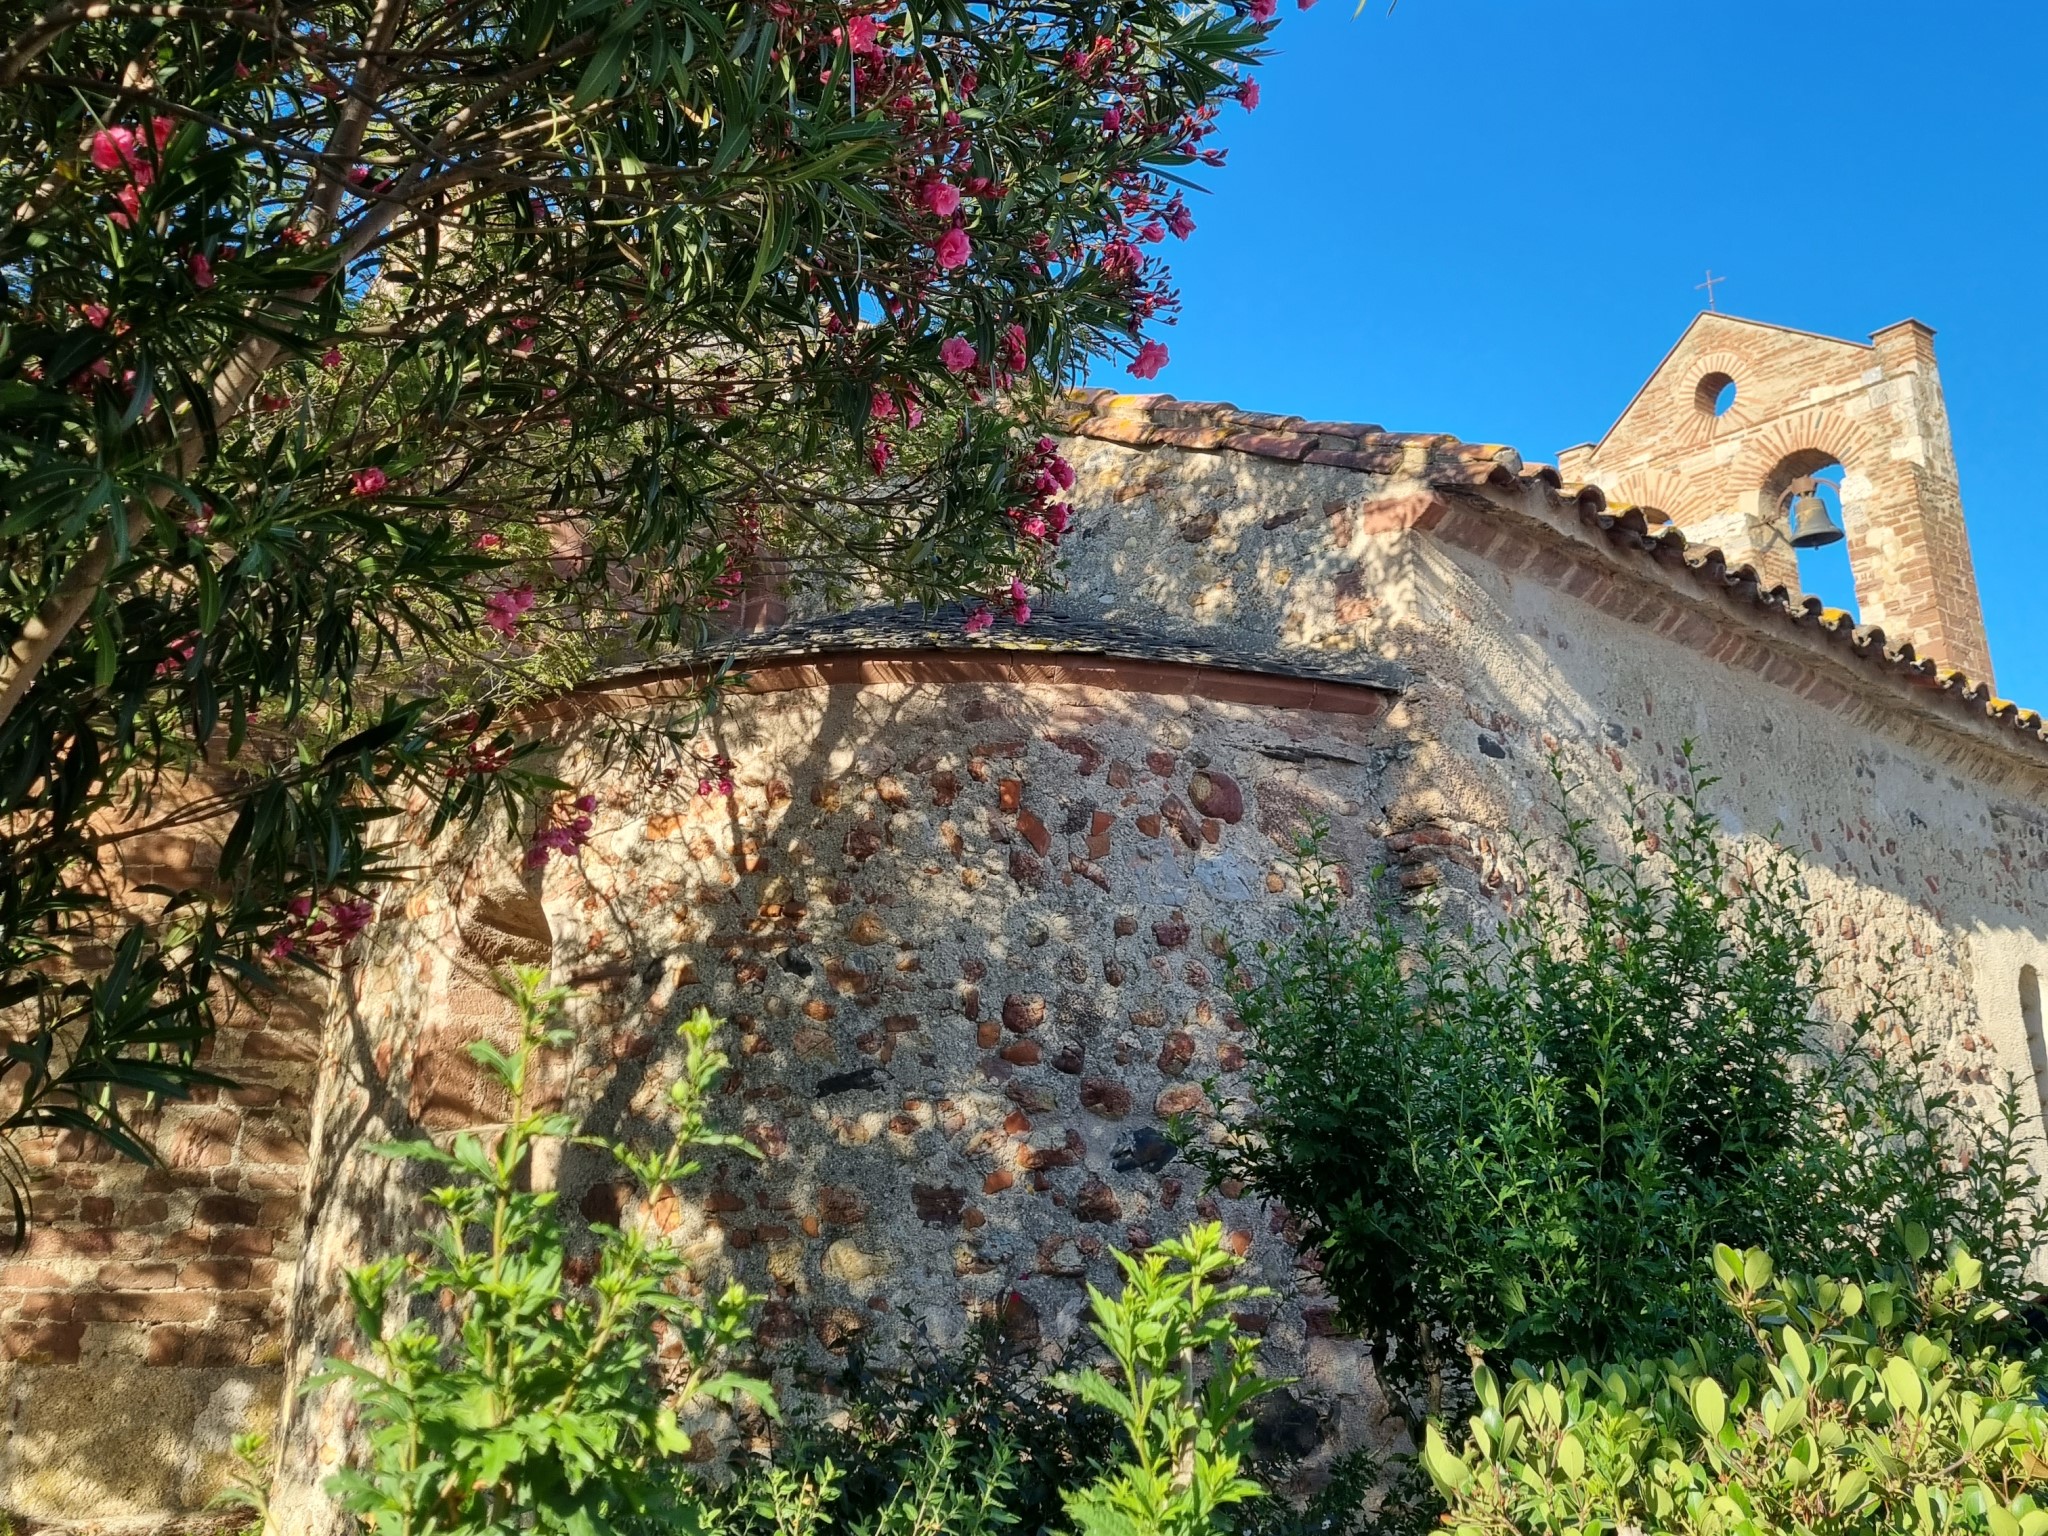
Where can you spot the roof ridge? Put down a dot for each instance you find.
(1444, 462)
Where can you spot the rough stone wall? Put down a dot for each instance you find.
(966, 934)
(143, 1323)
(968, 943)
(1802, 402)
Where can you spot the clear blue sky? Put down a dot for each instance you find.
(1486, 217)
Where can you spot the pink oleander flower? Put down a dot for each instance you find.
(1112, 119)
(368, 482)
(331, 358)
(1021, 613)
(1248, 95)
(940, 197)
(346, 919)
(502, 610)
(913, 413)
(1150, 359)
(201, 270)
(1262, 10)
(114, 148)
(880, 452)
(861, 36)
(488, 541)
(178, 655)
(980, 621)
(954, 249)
(882, 407)
(95, 315)
(1178, 219)
(1016, 349)
(1033, 527)
(957, 354)
(1122, 262)
(1153, 232)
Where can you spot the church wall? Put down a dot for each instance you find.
(969, 944)
(967, 928)
(142, 1323)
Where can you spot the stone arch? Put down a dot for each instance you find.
(1812, 431)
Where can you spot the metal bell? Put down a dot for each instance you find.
(1813, 526)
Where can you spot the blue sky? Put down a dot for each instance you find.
(1486, 217)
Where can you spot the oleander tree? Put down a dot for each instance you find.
(368, 366)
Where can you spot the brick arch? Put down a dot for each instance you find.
(1799, 437)
(1661, 489)
(1684, 379)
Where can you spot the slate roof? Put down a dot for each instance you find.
(1051, 632)
(1445, 463)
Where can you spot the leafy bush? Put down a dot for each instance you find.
(1188, 1430)
(983, 1401)
(1859, 1408)
(1525, 1143)
(532, 1402)
(1157, 1451)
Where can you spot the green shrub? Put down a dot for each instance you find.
(505, 1395)
(1153, 1446)
(1188, 1427)
(510, 1389)
(1524, 1143)
(1858, 1409)
(984, 1401)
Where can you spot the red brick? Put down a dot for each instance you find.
(41, 1343)
(139, 1307)
(137, 1277)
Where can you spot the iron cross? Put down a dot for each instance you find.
(1709, 285)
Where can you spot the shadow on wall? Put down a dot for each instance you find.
(968, 943)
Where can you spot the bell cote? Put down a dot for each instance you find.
(1741, 423)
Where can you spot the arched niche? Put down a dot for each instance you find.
(1825, 573)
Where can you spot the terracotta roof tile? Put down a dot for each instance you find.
(1446, 463)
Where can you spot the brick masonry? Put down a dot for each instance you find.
(143, 1323)
(1802, 403)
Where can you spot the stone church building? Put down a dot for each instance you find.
(965, 909)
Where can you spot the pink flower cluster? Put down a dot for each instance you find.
(564, 832)
(178, 655)
(503, 610)
(131, 154)
(331, 928)
(368, 482)
(481, 758)
(719, 781)
(1044, 476)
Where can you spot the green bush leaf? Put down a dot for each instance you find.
(1709, 1405)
